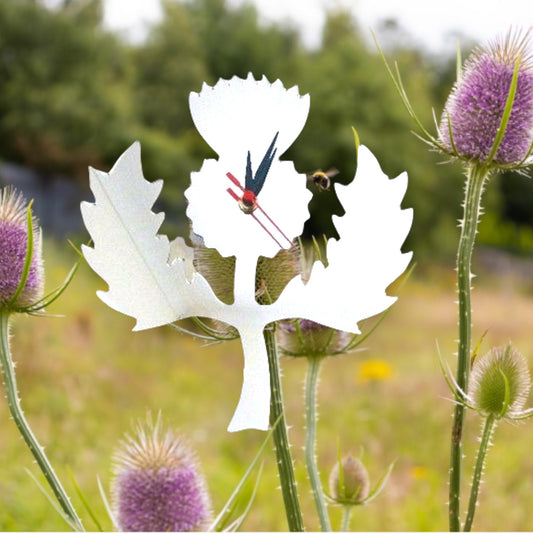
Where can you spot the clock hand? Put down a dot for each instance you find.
(252, 187)
(249, 177)
(236, 197)
(256, 184)
(276, 226)
(250, 208)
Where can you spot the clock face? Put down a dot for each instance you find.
(248, 202)
(239, 221)
(247, 198)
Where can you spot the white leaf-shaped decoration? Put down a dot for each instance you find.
(238, 115)
(130, 256)
(154, 281)
(366, 258)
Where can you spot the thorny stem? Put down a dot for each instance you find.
(311, 382)
(8, 372)
(281, 438)
(472, 206)
(488, 428)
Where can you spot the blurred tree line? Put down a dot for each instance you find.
(74, 95)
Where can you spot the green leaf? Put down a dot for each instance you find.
(239, 521)
(85, 503)
(52, 501)
(223, 517)
(106, 504)
(380, 485)
(53, 295)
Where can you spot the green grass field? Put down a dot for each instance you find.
(85, 376)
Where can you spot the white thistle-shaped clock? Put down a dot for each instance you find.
(246, 204)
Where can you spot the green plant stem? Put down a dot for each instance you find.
(346, 515)
(281, 438)
(311, 383)
(472, 205)
(8, 372)
(488, 428)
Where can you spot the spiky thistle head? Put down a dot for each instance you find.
(157, 483)
(500, 383)
(472, 117)
(14, 239)
(349, 483)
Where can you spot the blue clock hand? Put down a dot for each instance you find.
(256, 183)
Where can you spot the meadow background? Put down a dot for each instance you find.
(72, 95)
(84, 377)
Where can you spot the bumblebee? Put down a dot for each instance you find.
(322, 180)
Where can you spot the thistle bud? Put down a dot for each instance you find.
(474, 109)
(306, 338)
(157, 485)
(500, 383)
(352, 486)
(13, 248)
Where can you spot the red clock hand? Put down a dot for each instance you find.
(248, 204)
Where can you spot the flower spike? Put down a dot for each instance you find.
(21, 263)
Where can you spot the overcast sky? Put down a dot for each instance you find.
(434, 24)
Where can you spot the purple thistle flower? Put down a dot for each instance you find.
(13, 246)
(476, 104)
(157, 484)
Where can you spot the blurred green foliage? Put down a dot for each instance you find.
(74, 95)
(63, 100)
